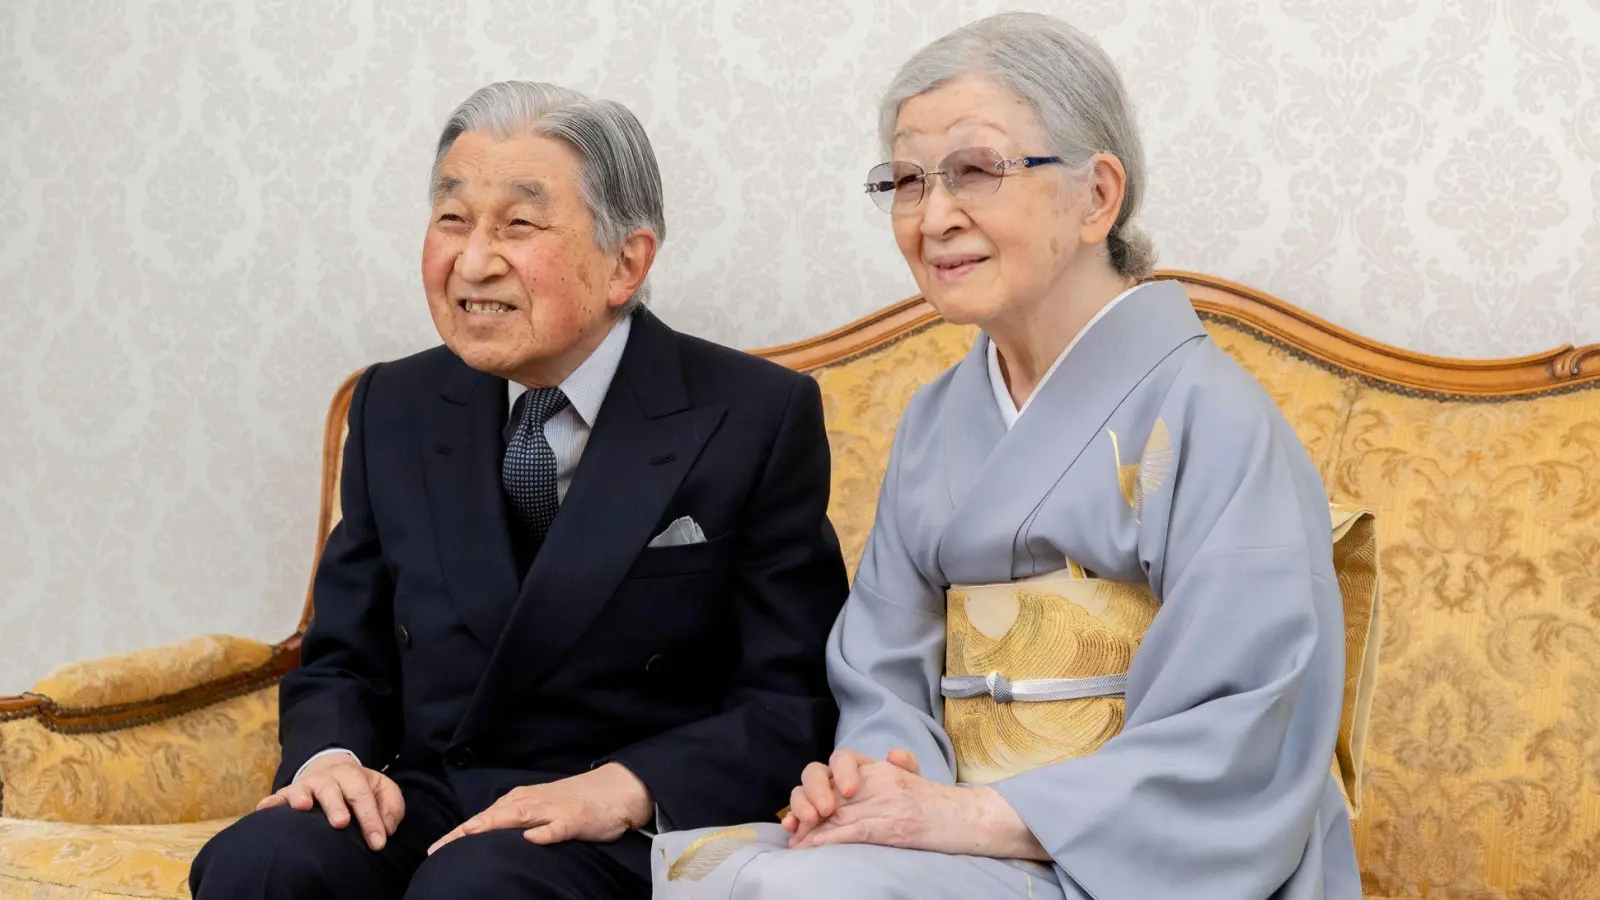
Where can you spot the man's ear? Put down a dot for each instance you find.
(632, 263)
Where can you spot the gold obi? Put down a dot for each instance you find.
(1034, 669)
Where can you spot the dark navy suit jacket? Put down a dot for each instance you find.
(698, 667)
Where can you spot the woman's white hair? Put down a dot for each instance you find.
(1071, 85)
(620, 180)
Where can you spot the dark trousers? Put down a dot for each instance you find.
(283, 854)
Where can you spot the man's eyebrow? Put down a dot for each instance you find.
(444, 187)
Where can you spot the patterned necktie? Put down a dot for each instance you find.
(528, 474)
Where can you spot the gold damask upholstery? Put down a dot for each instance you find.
(150, 673)
(208, 763)
(1482, 769)
(56, 861)
(862, 401)
(88, 810)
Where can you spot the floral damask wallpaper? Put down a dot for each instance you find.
(212, 212)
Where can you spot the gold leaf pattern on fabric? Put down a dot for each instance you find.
(1051, 633)
(702, 857)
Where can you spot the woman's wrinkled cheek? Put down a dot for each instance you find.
(910, 248)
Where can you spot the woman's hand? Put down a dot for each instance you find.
(891, 804)
(822, 787)
(887, 803)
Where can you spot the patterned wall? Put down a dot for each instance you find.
(212, 212)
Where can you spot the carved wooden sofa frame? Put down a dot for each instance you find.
(1260, 317)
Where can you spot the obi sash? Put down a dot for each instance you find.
(1035, 670)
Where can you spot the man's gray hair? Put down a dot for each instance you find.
(620, 180)
(1073, 88)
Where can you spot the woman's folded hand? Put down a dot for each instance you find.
(857, 800)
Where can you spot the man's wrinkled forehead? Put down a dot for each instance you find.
(530, 190)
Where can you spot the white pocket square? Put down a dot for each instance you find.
(681, 532)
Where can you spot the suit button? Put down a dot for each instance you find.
(458, 757)
(404, 635)
(655, 663)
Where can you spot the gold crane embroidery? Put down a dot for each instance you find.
(1141, 479)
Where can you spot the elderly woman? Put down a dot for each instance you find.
(1096, 476)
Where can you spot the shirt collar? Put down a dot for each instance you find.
(587, 386)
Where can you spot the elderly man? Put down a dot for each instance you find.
(585, 575)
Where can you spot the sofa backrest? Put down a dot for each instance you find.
(1483, 763)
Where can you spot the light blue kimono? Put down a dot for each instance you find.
(1218, 785)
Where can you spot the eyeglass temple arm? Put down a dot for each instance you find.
(1028, 162)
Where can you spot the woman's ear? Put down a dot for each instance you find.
(1108, 182)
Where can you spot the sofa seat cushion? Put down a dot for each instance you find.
(54, 861)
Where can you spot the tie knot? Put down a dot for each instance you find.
(539, 404)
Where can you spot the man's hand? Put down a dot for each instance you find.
(340, 784)
(598, 806)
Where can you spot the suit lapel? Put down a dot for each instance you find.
(461, 451)
(645, 439)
